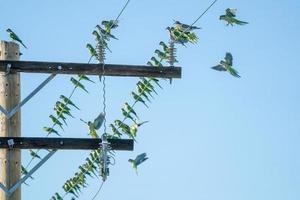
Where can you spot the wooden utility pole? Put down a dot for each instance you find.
(10, 159)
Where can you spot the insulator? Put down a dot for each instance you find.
(172, 53)
(100, 49)
(104, 158)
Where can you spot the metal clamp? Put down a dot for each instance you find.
(105, 158)
(8, 67)
(10, 143)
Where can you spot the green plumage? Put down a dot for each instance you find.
(230, 17)
(14, 37)
(226, 65)
(138, 160)
(185, 27)
(111, 24)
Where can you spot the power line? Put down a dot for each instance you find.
(215, 1)
(98, 191)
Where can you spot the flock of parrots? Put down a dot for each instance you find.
(180, 33)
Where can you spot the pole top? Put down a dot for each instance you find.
(9, 50)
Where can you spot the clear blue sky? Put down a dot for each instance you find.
(210, 136)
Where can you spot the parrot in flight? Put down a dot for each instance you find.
(226, 65)
(230, 17)
(138, 160)
(14, 37)
(96, 124)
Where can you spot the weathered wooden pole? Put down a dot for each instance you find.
(10, 159)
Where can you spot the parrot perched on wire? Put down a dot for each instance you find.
(138, 160)
(185, 27)
(34, 154)
(161, 55)
(181, 37)
(177, 36)
(92, 51)
(164, 46)
(101, 40)
(156, 62)
(111, 24)
(230, 17)
(14, 37)
(226, 65)
(105, 34)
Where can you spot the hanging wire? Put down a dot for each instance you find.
(98, 191)
(104, 100)
(105, 145)
(101, 52)
(100, 49)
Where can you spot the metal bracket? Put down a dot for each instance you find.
(11, 190)
(8, 67)
(10, 143)
(11, 113)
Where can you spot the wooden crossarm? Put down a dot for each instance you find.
(90, 69)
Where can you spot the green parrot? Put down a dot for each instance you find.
(95, 125)
(14, 37)
(57, 197)
(101, 40)
(164, 46)
(111, 24)
(92, 51)
(185, 27)
(25, 172)
(125, 128)
(34, 154)
(150, 63)
(105, 34)
(68, 101)
(115, 131)
(127, 114)
(226, 65)
(156, 62)
(229, 17)
(130, 109)
(138, 160)
(138, 98)
(177, 36)
(161, 54)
